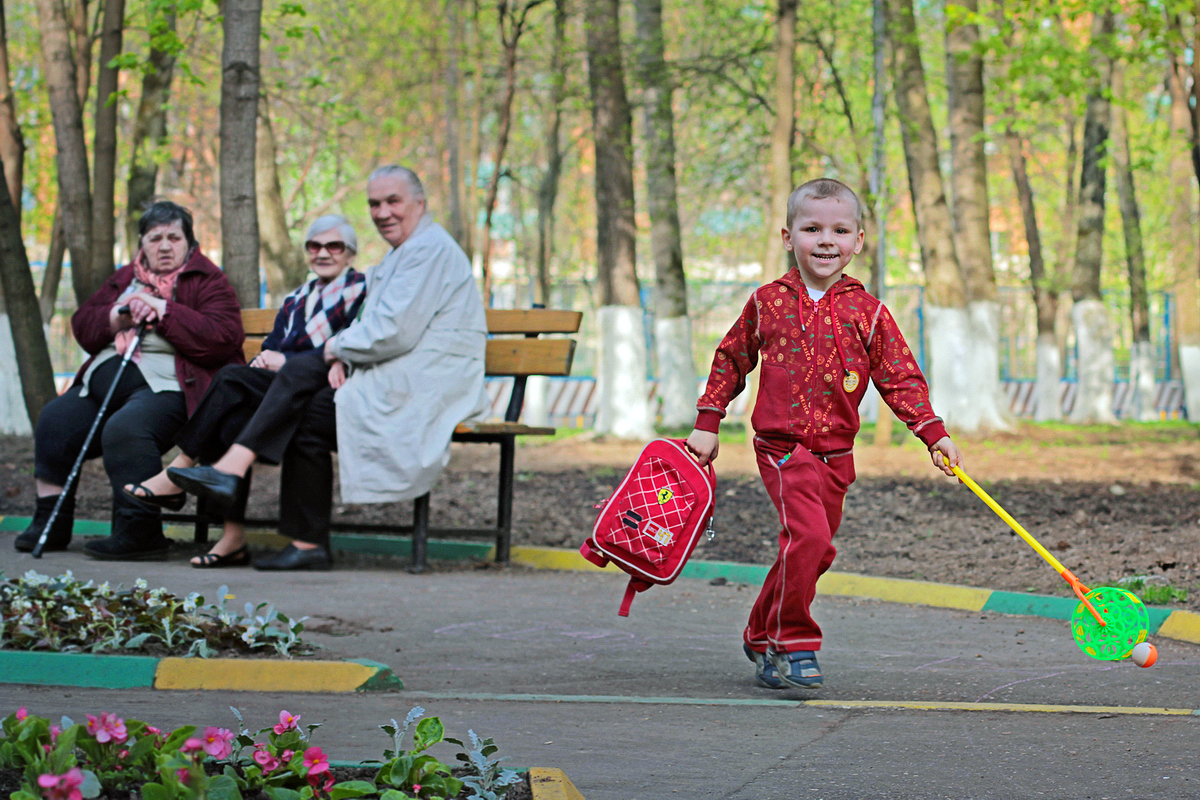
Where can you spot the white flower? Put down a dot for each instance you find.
(190, 602)
(249, 634)
(34, 578)
(27, 618)
(140, 584)
(104, 590)
(70, 614)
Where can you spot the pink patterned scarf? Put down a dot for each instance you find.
(156, 284)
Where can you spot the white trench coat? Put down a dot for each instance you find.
(417, 359)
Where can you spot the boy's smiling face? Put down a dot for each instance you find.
(823, 237)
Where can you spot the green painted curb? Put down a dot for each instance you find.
(78, 669)
(730, 571)
(83, 527)
(384, 680)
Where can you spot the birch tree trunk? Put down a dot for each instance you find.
(74, 181)
(285, 267)
(149, 133)
(104, 150)
(672, 328)
(783, 133)
(239, 119)
(1141, 355)
(1181, 202)
(548, 186)
(624, 408)
(949, 323)
(1093, 328)
(965, 104)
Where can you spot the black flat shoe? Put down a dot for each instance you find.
(219, 487)
(171, 502)
(238, 558)
(292, 557)
(118, 548)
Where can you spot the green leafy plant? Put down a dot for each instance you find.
(488, 780)
(64, 614)
(415, 771)
(1153, 589)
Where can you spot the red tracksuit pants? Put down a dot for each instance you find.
(808, 491)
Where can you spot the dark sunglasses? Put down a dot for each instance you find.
(334, 248)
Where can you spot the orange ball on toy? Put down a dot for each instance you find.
(1144, 654)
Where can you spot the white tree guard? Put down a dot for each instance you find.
(1189, 365)
(948, 347)
(536, 410)
(1141, 382)
(676, 372)
(1093, 337)
(988, 408)
(1048, 388)
(14, 419)
(623, 402)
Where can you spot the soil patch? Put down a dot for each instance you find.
(1108, 502)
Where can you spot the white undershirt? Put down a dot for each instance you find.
(815, 294)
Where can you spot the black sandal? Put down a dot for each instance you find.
(171, 502)
(238, 558)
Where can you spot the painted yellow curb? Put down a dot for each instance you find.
(552, 784)
(1183, 625)
(1053, 709)
(546, 558)
(261, 675)
(896, 590)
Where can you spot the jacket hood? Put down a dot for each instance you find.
(846, 283)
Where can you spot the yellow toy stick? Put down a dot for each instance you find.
(1079, 589)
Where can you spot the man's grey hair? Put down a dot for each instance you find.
(394, 170)
(330, 222)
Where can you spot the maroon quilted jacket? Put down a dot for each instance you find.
(816, 358)
(203, 323)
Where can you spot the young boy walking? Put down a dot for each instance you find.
(819, 335)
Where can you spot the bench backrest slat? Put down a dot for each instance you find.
(529, 356)
(533, 320)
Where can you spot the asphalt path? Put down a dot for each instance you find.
(919, 702)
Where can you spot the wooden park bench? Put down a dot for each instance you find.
(513, 349)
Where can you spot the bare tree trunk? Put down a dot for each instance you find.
(12, 143)
(286, 268)
(149, 133)
(104, 151)
(783, 133)
(672, 328)
(455, 223)
(81, 39)
(239, 116)
(24, 316)
(52, 275)
(1141, 356)
(624, 408)
(948, 320)
(877, 239)
(968, 175)
(512, 24)
(74, 182)
(548, 187)
(1093, 330)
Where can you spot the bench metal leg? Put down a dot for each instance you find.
(200, 534)
(508, 447)
(420, 535)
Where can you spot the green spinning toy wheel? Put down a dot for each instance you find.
(1125, 624)
(1108, 622)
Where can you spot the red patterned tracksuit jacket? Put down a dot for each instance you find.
(816, 357)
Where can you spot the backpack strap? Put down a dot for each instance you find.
(588, 550)
(635, 585)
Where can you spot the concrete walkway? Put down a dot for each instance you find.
(663, 704)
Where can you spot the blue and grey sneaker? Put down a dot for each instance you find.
(765, 673)
(798, 670)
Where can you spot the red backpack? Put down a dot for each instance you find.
(653, 521)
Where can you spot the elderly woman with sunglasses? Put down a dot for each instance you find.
(308, 317)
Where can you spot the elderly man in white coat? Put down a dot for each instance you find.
(398, 382)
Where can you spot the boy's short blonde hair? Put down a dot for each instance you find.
(820, 189)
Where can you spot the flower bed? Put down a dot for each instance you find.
(66, 615)
(110, 757)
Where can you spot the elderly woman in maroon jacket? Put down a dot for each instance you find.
(196, 328)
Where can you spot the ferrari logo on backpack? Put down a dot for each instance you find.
(664, 495)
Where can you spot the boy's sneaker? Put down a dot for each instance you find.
(765, 673)
(798, 670)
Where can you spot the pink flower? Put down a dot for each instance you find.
(264, 759)
(192, 745)
(315, 761)
(153, 730)
(62, 787)
(54, 732)
(287, 722)
(182, 775)
(286, 756)
(218, 742)
(22, 714)
(315, 781)
(108, 728)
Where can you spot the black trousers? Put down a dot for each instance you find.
(138, 427)
(306, 479)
